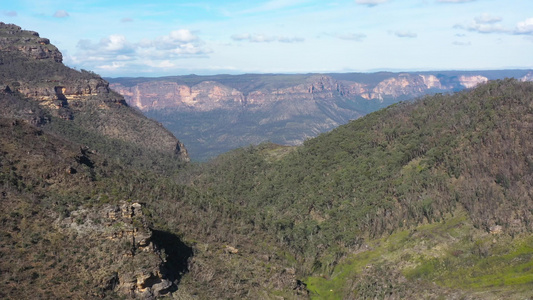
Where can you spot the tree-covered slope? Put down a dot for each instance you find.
(400, 203)
(90, 204)
(401, 167)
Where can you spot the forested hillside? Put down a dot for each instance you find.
(427, 199)
(396, 169)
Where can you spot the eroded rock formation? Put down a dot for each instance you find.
(214, 114)
(139, 265)
(12, 37)
(31, 67)
(210, 95)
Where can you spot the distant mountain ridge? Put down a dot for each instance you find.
(214, 114)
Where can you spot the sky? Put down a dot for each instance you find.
(179, 37)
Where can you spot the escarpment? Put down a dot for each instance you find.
(142, 264)
(208, 94)
(31, 68)
(214, 114)
(13, 38)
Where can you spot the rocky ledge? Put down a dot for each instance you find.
(13, 38)
(142, 262)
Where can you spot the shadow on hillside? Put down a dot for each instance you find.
(177, 252)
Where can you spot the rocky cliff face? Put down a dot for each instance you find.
(15, 41)
(210, 95)
(31, 67)
(527, 77)
(13, 38)
(140, 267)
(214, 114)
(203, 96)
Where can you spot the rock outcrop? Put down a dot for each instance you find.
(13, 38)
(472, 81)
(527, 77)
(139, 265)
(32, 68)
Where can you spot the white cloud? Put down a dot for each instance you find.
(273, 5)
(405, 34)
(116, 43)
(485, 28)
(358, 37)
(126, 20)
(160, 64)
(115, 52)
(182, 35)
(187, 48)
(525, 27)
(124, 57)
(491, 24)
(455, 1)
(61, 14)
(113, 66)
(371, 2)
(176, 39)
(487, 19)
(484, 24)
(110, 47)
(262, 38)
(9, 13)
(284, 39)
(241, 37)
(458, 43)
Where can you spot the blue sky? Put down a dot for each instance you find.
(163, 37)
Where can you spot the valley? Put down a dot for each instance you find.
(215, 114)
(424, 199)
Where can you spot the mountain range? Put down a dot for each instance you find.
(423, 199)
(215, 114)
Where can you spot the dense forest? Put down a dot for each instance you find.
(293, 212)
(412, 163)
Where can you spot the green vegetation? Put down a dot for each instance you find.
(497, 264)
(459, 258)
(428, 199)
(409, 164)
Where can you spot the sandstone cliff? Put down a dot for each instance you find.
(12, 37)
(140, 265)
(32, 68)
(209, 95)
(214, 114)
(527, 77)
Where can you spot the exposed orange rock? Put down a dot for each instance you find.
(209, 95)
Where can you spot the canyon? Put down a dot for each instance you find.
(214, 114)
(424, 199)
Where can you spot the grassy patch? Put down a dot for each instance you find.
(485, 269)
(332, 287)
(452, 254)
